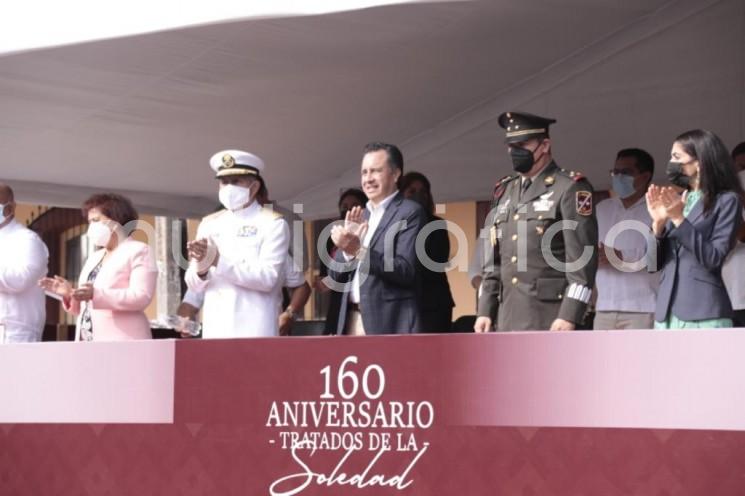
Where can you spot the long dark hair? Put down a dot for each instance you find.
(413, 177)
(716, 172)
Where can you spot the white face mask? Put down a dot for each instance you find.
(3, 217)
(99, 234)
(234, 197)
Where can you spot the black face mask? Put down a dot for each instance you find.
(522, 158)
(676, 176)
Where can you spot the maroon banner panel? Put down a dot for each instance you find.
(625, 413)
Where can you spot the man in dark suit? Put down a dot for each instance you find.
(376, 263)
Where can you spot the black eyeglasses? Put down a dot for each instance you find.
(622, 172)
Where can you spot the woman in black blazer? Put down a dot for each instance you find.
(436, 307)
(695, 232)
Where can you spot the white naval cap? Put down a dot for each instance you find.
(236, 163)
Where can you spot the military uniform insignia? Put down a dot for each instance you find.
(246, 231)
(499, 187)
(543, 204)
(549, 180)
(584, 203)
(493, 235)
(269, 210)
(228, 161)
(502, 209)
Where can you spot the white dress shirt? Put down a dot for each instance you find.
(625, 291)
(23, 261)
(375, 216)
(242, 294)
(733, 268)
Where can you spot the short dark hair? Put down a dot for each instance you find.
(263, 192)
(115, 207)
(8, 192)
(395, 157)
(644, 161)
(358, 194)
(738, 150)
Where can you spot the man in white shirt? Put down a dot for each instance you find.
(238, 259)
(734, 266)
(626, 291)
(23, 261)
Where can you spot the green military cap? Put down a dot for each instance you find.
(521, 126)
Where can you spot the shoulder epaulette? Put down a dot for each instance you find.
(271, 212)
(573, 175)
(501, 185)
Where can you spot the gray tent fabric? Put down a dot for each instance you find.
(142, 114)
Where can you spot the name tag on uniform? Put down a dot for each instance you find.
(246, 231)
(543, 204)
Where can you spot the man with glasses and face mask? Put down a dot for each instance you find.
(23, 261)
(544, 237)
(626, 291)
(238, 258)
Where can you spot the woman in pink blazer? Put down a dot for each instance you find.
(118, 280)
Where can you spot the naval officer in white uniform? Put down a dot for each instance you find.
(238, 258)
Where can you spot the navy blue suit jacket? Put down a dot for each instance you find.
(691, 256)
(389, 299)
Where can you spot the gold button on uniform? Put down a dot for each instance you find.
(513, 259)
(514, 280)
(516, 217)
(539, 230)
(514, 237)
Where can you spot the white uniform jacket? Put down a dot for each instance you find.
(242, 294)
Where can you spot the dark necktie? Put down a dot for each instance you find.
(526, 184)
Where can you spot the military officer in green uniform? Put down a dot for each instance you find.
(544, 237)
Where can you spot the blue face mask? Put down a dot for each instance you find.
(623, 185)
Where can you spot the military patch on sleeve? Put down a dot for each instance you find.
(584, 202)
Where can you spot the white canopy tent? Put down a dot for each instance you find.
(142, 114)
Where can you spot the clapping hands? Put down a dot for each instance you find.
(348, 237)
(62, 288)
(204, 253)
(663, 204)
